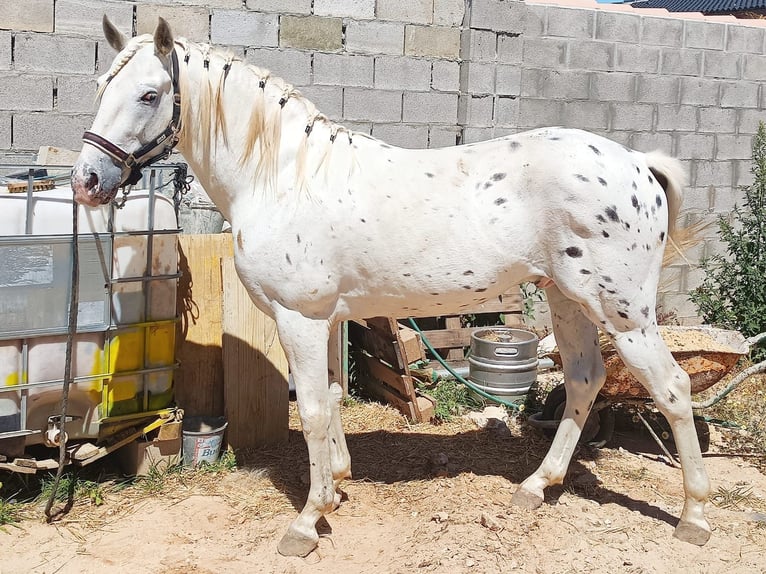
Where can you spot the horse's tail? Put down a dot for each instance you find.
(671, 175)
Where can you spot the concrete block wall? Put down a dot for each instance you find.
(431, 73)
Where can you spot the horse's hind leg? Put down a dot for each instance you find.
(577, 340)
(340, 459)
(645, 354)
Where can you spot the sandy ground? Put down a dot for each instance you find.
(407, 513)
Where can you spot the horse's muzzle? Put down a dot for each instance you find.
(93, 186)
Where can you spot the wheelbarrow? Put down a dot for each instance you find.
(706, 353)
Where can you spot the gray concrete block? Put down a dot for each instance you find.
(618, 26)
(708, 35)
(402, 73)
(744, 39)
(716, 173)
(358, 9)
(754, 67)
(721, 64)
(449, 12)
(430, 107)
(587, 55)
(636, 59)
(571, 22)
(637, 117)
(344, 69)
(192, 22)
(662, 31)
(75, 94)
(649, 141)
(554, 84)
(747, 121)
(361, 104)
(586, 115)
(475, 111)
(681, 62)
(676, 118)
(225, 4)
(734, 147)
(657, 89)
(35, 16)
(507, 80)
(613, 87)
(410, 11)
(234, 27)
(507, 112)
(359, 127)
(498, 15)
(699, 91)
(292, 65)
(291, 7)
(375, 37)
(26, 92)
(478, 45)
(509, 49)
(42, 53)
(32, 130)
(84, 17)
(739, 94)
(477, 77)
(475, 135)
(432, 42)
(683, 308)
(445, 76)
(311, 33)
(535, 18)
(327, 99)
(402, 135)
(443, 136)
(695, 146)
(545, 52)
(743, 173)
(5, 50)
(697, 199)
(539, 113)
(5, 130)
(717, 120)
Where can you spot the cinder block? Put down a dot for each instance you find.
(478, 45)
(507, 80)
(739, 94)
(545, 52)
(647, 141)
(613, 87)
(747, 121)
(721, 64)
(498, 15)
(717, 120)
(449, 12)
(225, 4)
(327, 99)
(430, 108)
(637, 117)
(636, 59)
(75, 94)
(474, 135)
(402, 73)
(681, 62)
(359, 127)
(539, 113)
(445, 76)
(697, 199)
(34, 16)
(734, 147)
(5, 50)
(192, 22)
(571, 22)
(657, 89)
(753, 67)
(362, 104)
(443, 136)
(708, 35)
(344, 69)
(84, 17)
(291, 65)
(359, 9)
(410, 11)
(695, 146)
(677, 118)
(238, 28)
(477, 77)
(375, 37)
(744, 39)
(618, 26)
(32, 130)
(5, 131)
(475, 111)
(26, 92)
(586, 55)
(555, 84)
(291, 7)
(662, 31)
(311, 33)
(510, 49)
(535, 17)
(403, 135)
(716, 173)
(432, 42)
(43, 53)
(507, 112)
(743, 173)
(586, 115)
(699, 91)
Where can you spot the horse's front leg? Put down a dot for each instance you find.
(305, 342)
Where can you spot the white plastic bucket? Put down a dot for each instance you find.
(202, 438)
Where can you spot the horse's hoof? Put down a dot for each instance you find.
(295, 544)
(693, 532)
(526, 500)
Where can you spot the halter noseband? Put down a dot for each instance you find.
(139, 159)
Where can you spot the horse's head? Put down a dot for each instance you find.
(137, 118)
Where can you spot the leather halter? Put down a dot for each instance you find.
(147, 153)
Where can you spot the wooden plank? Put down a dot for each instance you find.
(384, 393)
(410, 344)
(337, 357)
(398, 381)
(199, 379)
(255, 369)
(451, 324)
(375, 343)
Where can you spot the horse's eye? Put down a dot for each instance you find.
(149, 97)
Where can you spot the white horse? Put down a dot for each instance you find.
(315, 209)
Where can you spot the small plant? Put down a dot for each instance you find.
(530, 294)
(10, 512)
(733, 293)
(74, 488)
(452, 398)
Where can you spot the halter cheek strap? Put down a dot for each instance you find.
(156, 150)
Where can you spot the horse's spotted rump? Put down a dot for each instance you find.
(500, 201)
(574, 251)
(611, 213)
(498, 176)
(602, 181)
(594, 149)
(581, 177)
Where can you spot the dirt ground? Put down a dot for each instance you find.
(425, 499)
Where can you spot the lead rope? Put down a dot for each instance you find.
(73, 304)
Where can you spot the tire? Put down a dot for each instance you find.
(599, 427)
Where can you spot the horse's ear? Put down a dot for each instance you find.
(115, 38)
(163, 38)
